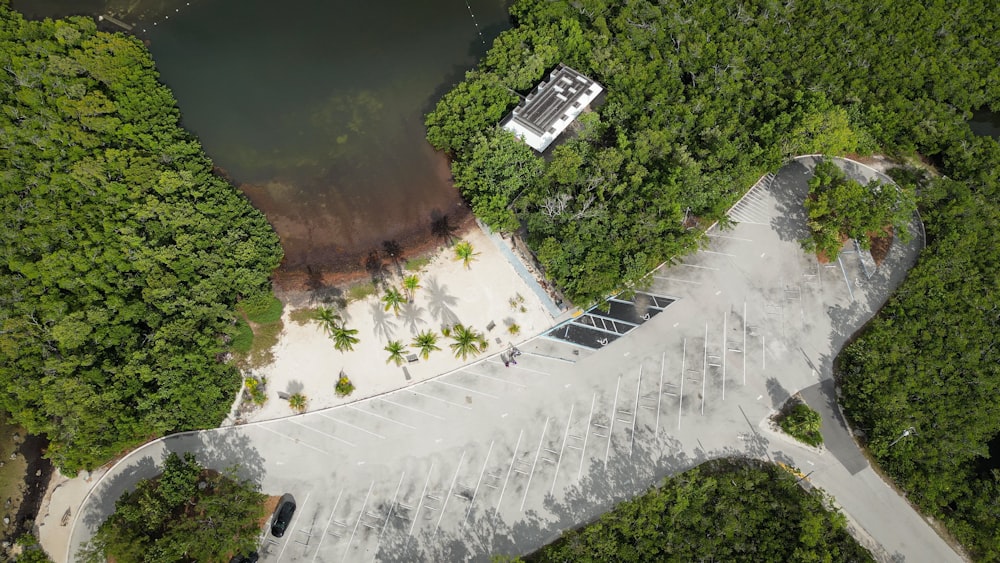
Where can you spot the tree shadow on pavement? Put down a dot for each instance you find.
(101, 503)
(383, 325)
(440, 302)
(412, 316)
(789, 189)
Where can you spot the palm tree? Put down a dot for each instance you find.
(411, 284)
(343, 338)
(466, 341)
(427, 342)
(465, 253)
(298, 402)
(327, 319)
(396, 351)
(392, 299)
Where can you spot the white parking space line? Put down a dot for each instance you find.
(420, 502)
(744, 342)
(725, 351)
(697, 266)
(676, 280)
(450, 490)
(507, 381)
(409, 408)
(586, 435)
(376, 415)
(388, 513)
(704, 371)
(659, 395)
(635, 412)
(291, 526)
(731, 238)
(348, 424)
(328, 521)
(358, 523)
(330, 436)
(509, 469)
(440, 382)
(848, 282)
(611, 421)
(569, 419)
(479, 482)
(445, 401)
(534, 463)
(719, 253)
(680, 395)
(297, 442)
(519, 367)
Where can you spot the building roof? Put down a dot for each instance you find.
(551, 107)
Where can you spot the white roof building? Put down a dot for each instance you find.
(551, 107)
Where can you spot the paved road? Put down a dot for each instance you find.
(492, 459)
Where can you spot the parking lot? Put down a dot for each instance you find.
(494, 459)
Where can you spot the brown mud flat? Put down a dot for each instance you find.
(24, 477)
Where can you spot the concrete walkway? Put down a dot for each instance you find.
(495, 460)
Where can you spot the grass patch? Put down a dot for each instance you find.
(303, 316)
(802, 423)
(360, 291)
(417, 264)
(262, 309)
(243, 339)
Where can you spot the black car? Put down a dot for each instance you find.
(251, 558)
(282, 516)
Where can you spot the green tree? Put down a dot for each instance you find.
(802, 423)
(298, 402)
(344, 338)
(393, 300)
(466, 341)
(328, 319)
(465, 253)
(217, 515)
(411, 284)
(840, 208)
(396, 352)
(124, 255)
(426, 341)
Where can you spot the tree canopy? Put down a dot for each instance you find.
(702, 99)
(723, 510)
(122, 253)
(185, 514)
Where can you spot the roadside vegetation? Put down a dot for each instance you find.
(702, 99)
(124, 256)
(801, 422)
(722, 510)
(188, 513)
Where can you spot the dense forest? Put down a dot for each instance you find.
(122, 254)
(703, 97)
(187, 514)
(723, 510)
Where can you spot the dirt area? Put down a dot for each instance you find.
(881, 243)
(24, 474)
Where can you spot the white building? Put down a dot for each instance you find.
(551, 107)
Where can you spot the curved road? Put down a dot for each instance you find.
(490, 460)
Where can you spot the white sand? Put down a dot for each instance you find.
(306, 361)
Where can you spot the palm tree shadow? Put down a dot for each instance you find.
(394, 251)
(412, 317)
(442, 228)
(440, 302)
(384, 327)
(376, 268)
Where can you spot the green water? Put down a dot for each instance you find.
(315, 107)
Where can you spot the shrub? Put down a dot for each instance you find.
(802, 423)
(344, 386)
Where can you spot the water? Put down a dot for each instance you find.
(986, 123)
(315, 109)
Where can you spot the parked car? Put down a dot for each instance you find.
(251, 557)
(282, 516)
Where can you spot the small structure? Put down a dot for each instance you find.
(551, 107)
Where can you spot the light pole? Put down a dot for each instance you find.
(907, 432)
